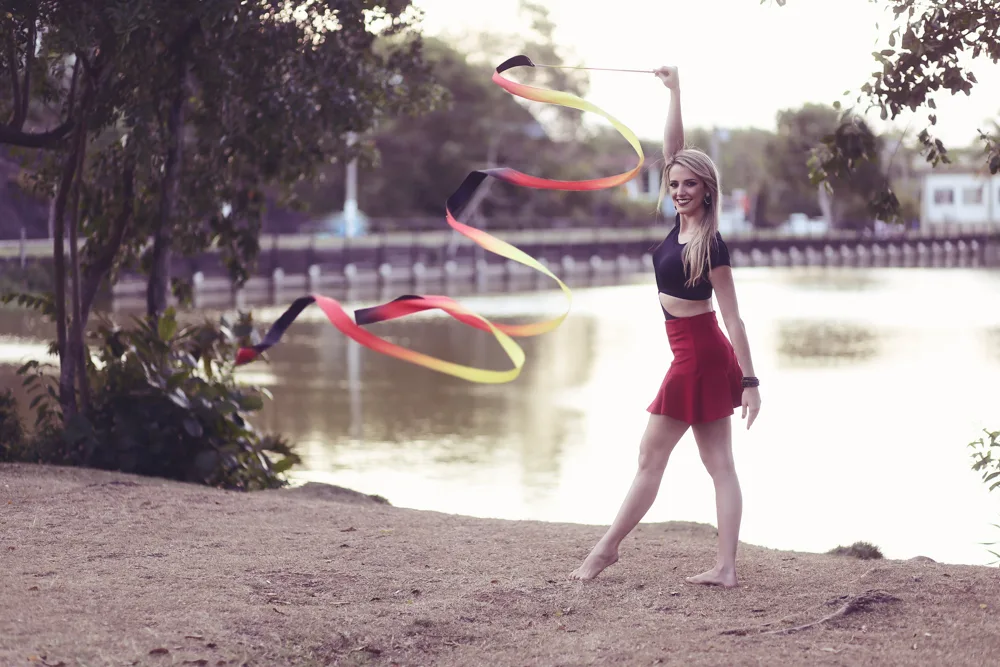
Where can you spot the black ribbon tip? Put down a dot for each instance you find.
(459, 198)
(516, 61)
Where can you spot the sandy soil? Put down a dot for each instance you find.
(107, 569)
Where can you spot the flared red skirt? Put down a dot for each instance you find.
(704, 381)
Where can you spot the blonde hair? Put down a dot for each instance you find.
(697, 252)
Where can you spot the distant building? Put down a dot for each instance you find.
(646, 186)
(959, 197)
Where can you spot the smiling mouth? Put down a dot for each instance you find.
(683, 202)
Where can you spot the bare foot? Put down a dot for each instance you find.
(715, 577)
(594, 564)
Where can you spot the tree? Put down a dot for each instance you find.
(537, 41)
(28, 72)
(930, 44)
(180, 114)
(798, 132)
(422, 159)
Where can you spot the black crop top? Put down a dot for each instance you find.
(669, 268)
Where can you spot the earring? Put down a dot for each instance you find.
(708, 200)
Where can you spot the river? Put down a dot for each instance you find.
(873, 384)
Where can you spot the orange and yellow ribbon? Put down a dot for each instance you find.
(408, 304)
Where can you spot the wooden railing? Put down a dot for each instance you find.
(42, 248)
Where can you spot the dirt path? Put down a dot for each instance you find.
(105, 569)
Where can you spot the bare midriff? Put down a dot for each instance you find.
(684, 307)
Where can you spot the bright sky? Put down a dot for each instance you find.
(740, 61)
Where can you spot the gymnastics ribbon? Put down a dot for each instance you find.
(409, 304)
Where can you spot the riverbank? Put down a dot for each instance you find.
(108, 569)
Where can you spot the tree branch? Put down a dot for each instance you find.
(21, 113)
(51, 139)
(102, 264)
(15, 84)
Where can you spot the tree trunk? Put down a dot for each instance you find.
(67, 359)
(104, 262)
(67, 396)
(76, 349)
(158, 289)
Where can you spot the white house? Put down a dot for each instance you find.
(954, 198)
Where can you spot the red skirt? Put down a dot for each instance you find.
(704, 381)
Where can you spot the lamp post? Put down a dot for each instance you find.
(351, 192)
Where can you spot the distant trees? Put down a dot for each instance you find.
(422, 159)
(930, 47)
(792, 190)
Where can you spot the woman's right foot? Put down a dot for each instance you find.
(595, 564)
(717, 576)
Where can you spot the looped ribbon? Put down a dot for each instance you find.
(409, 304)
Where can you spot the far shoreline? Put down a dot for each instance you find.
(295, 482)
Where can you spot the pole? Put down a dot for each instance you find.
(351, 196)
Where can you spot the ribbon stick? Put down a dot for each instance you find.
(409, 304)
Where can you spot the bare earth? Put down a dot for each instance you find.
(106, 569)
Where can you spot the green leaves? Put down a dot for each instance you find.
(156, 411)
(12, 434)
(938, 40)
(167, 326)
(986, 458)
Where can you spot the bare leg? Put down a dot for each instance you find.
(715, 444)
(661, 435)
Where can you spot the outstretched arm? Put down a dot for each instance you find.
(673, 132)
(721, 278)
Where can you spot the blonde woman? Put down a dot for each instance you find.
(709, 376)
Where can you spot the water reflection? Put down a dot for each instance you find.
(334, 394)
(825, 343)
(864, 388)
(832, 279)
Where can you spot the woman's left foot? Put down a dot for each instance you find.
(715, 577)
(594, 564)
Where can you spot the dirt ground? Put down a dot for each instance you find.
(99, 568)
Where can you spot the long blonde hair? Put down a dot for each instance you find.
(697, 252)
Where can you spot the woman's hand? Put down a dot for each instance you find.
(669, 76)
(751, 404)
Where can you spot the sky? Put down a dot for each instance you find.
(740, 62)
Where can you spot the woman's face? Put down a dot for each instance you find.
(686, 190)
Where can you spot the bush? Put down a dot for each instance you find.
(986, 460)
(164, 403)
(860, 550)
(34, 277)
(11, 428)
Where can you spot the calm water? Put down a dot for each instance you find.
(873, 382)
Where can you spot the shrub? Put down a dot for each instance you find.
(986, 460)
(165, 403)
(11, 428)
(34, 277)
(860, 550)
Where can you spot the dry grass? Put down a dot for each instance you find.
(107, 569)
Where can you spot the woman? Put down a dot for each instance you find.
(709, 376)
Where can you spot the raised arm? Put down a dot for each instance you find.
(673, 133)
